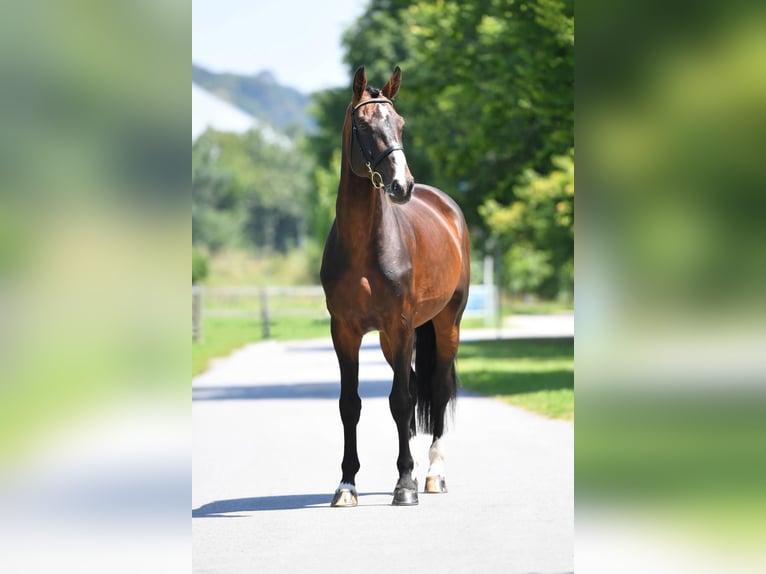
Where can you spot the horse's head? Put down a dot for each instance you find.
(374, 134)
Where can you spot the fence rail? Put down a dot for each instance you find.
(303, 301)
(267, 303)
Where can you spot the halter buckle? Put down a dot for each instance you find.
(375, 177)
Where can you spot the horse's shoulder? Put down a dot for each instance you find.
(435, 200)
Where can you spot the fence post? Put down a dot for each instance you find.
(265, 313)
(196, 313)
(490, 302)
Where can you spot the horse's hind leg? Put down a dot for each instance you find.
(347, 343)
(444, 388)
(435, 480)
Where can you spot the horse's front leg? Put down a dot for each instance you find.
(347, 342)
(402, 404)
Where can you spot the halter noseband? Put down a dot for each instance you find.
(372, 161)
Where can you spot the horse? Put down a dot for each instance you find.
(396, 260)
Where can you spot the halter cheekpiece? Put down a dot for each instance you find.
(372, 160)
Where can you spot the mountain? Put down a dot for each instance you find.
(209, 111)
(260, 96)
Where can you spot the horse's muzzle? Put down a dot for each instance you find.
(398, 193)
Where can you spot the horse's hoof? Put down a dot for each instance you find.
(435, 485)
(345, 497)
(405, 497)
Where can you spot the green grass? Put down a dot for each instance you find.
(535, 374)
(473, 323)
(536, 308)
(223, 335)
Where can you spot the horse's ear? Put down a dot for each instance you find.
(392, 87)
(360, 83)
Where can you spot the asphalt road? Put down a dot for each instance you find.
(267, 451)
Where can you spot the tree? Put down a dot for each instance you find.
(322, 211)
(246, 192)
(537, 231)
(217, 217)
(493, 89)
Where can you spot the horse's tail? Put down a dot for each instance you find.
(433, 396)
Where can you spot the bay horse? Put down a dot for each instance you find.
(396, 260)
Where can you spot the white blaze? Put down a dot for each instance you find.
(400, 163)
(398, 158)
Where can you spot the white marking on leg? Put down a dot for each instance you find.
(346, 486)
(415, 458)
(436, 458)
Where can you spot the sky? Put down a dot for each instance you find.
(297, 40)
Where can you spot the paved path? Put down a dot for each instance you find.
(267, 450)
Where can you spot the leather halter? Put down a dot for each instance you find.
(372, 160)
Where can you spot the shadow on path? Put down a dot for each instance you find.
(367, 389)
(225, 508)
(368, 344)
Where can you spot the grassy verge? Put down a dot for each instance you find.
(535, 374)
(514, 306)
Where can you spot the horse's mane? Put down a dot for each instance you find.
(374, 92)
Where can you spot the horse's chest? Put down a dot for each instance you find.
(361, 297)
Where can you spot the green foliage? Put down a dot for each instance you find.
(537, 230)
(200, 266)
(493, 86)
(247, 192)
(378, 40)
(329, 110)
(526, 268)
(323, 199)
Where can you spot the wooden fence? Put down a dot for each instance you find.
(263, 302)
(308, 301)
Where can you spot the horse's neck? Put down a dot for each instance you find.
(358, 212)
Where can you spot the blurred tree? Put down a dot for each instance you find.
(492, 83)
(200, 266)
(322, 210)
(329, 109)
(537, 231)
(379, 39)
(216, 214)
(246, 192)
